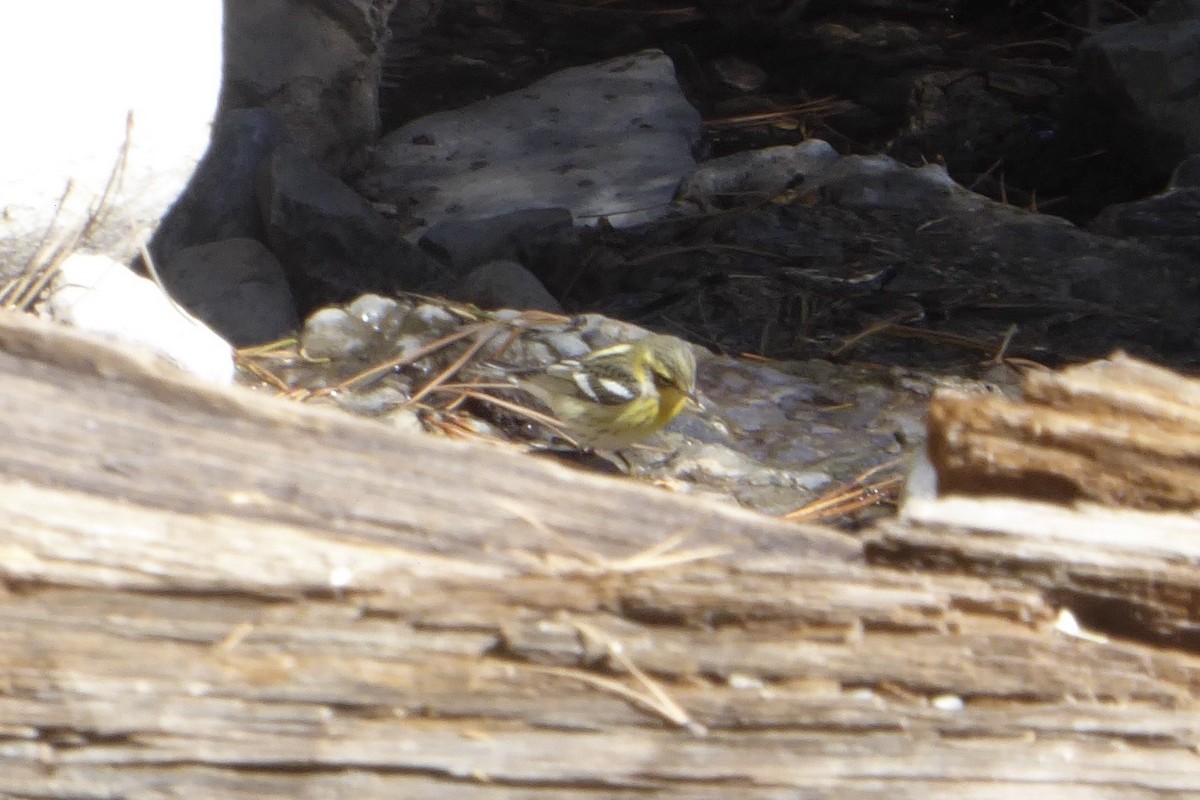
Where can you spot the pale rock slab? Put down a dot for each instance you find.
(95, 293)
(85, 82)
(609, 140)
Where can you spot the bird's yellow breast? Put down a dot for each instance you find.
(671, 402)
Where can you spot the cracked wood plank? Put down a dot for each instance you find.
(219, 595)
(1086, 487)
(1118, 432)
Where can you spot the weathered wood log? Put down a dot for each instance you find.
(1119, 432)
(1061, 488)
(221, 595)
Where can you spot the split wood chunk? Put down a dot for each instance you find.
(1119, 432)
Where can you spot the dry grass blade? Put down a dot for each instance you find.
(612, 686)
(552, 423)
(467, 391)
(264, 375)
(23, 291)
(908, 331)
(235, 637)
(103, 205)
(660, 701)
(248, 359)
(670, 252)
(482, 339)
(854, 496)
(822, 107)
(651, 697)
(663, 555)
(285, 347)
(452, 425)
(1002, 349)
(848, 500)
(148, 260)
(408, 358)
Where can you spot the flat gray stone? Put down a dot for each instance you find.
(607, 140)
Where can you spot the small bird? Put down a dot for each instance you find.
(618, 395)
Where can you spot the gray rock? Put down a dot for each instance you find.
(866, 182)
(463, 244)
(1186, 174)
(220, 202)
(95, 293)
(316, 64)
(763, 172)
(236, 286)
(1168, 11)
(1095, 279)
(332, 333)
(1170, 220)
(333, 245)
(82, 85)
(383, 315)
(607, 140)
(738, 73)
(505, 284)
(1145, 72)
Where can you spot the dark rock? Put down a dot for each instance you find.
(1187, 174)
(757, 17)
(316, 64)
(236, 286)
(505, 284)
(867, 239)
(1170, 220)
(1145, 72)
(763, 173)
(220, 201)
(739, 74)
(333, 245)
(866, 182)
(464, 244)
(1094, 279)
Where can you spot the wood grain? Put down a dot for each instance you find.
(211, 593)
(1118, 432)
